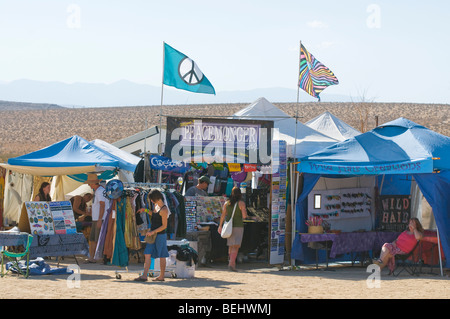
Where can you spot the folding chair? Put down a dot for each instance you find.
(408, 262)
(15, 258)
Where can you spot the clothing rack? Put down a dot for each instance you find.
(155, 185)
(146, 185)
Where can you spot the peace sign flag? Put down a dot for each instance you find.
(183, 73)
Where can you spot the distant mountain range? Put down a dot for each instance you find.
(126, 93)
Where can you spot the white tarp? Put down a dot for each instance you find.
(308, 139)
(332, 126)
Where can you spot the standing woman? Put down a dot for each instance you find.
(235, 240)
(44, 193)
(158, 225)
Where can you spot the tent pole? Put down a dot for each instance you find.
(298, 89)
(439, 250)
(294, 209)
(292, 179)
(293, 170)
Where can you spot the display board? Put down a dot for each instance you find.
(63, 218)
(345, 209)
(202, 209)
(49, 218)
(395, 212)
(40, 218)
(278, 203)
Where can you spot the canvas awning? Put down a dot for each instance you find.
(71, 156)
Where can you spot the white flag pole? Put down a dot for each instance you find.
(160, 111)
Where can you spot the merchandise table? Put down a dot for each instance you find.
(13, 239)
(49, 245)
(351, 242)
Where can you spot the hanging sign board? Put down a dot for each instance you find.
(211, 140)
(394, 212)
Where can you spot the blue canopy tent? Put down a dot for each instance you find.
(398, 147)
(72, 156)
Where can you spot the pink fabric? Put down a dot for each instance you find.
(406, 242)
(393, 250)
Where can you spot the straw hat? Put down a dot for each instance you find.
(92, 179)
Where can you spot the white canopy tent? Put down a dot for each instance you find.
(332, 126)
(298, 136)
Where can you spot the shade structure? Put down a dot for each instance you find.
(332, 126)
(297, 135)
(74, 155)
(399, 147)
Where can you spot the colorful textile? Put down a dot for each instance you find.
(120, 253)
(314, 76)
(393, 250)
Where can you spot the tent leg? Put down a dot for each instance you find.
(439, 251)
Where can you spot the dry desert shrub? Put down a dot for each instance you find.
(24, 131)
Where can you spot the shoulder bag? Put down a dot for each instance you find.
(227, 227)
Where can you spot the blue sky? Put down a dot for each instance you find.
(389, 51)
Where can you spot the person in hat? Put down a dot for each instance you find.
(98, 211)
(200, 188)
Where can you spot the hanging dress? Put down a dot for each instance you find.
(120, 252)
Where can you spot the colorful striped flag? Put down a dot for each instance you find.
(314, 76)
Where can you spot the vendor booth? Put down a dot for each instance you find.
(65, 164)
(397, 151)
(232, 153)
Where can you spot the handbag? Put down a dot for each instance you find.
(150, 239)
(227, 227)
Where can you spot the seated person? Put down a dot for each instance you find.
(404, 244)
(79, 206)
(200, 189)
(44, 193)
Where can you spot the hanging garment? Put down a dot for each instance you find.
(109, 239)
(101, 239)
(181, 228)
(120, 253)
(131, 234)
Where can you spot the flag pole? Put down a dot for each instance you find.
(294, 173)
(160, 111)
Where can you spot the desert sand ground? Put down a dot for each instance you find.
(254, 280)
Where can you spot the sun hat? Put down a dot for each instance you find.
(92, 179)
(204, 179)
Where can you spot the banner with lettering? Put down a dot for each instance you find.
(218, 140)
(394, 212)
(408, 167)
(162, 163)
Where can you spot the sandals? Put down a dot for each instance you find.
(141, 279)
(158, 279)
